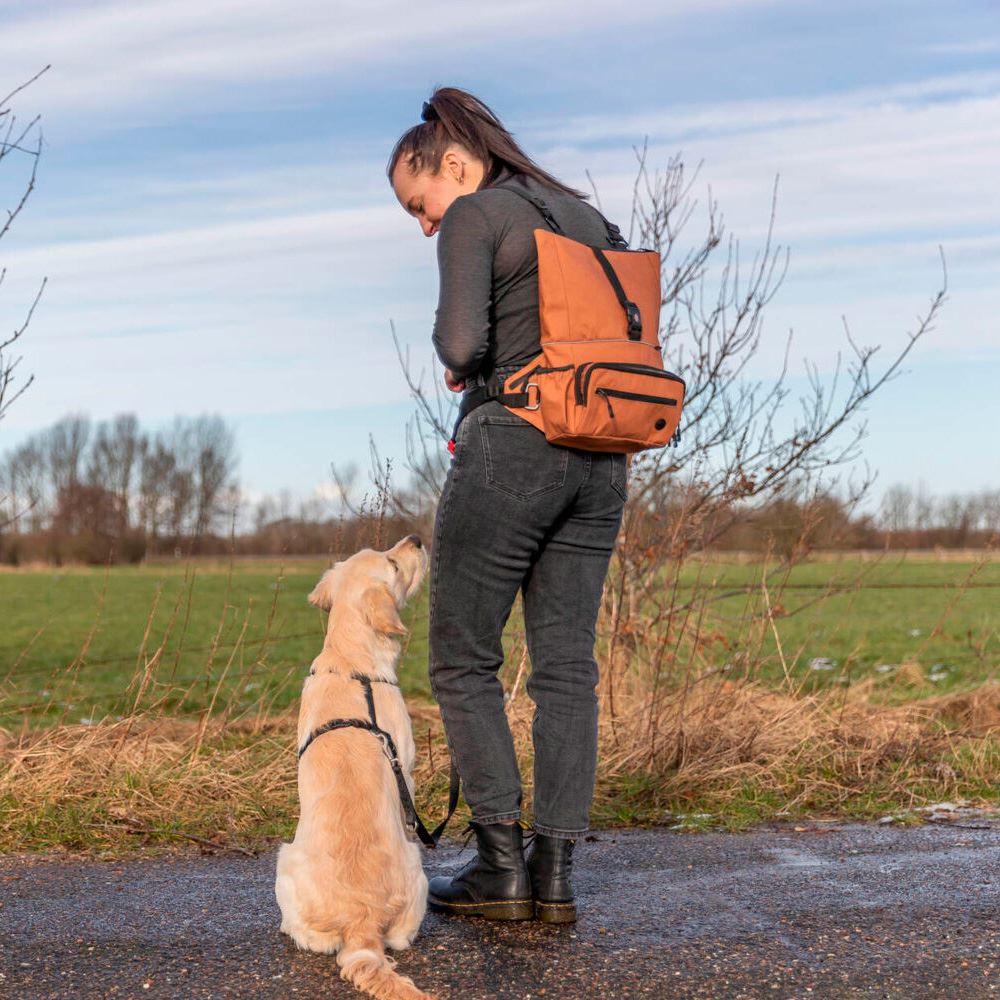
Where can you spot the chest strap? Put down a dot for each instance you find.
(413, 821)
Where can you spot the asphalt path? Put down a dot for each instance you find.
(830, 911)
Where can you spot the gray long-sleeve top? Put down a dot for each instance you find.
(487, 312)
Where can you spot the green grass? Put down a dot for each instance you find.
(863, 615)
(73, 639)
(264, 634)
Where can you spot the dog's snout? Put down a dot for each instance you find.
(414, 540)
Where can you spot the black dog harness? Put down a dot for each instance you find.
(413, 821)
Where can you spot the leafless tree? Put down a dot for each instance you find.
(156, 468)
(265, 512)
(213, 467)
(23, 479)
(22, 144)
(746, 443)
(114, 456)
(180, 499)
(741, 437)
(898, 508)
(65, 446)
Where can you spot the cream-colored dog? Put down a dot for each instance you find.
(351, 881)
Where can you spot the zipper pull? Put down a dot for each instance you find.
(604, 396)
(676, 439)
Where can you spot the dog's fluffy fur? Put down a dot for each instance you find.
(351, 881)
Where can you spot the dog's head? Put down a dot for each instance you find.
(374, 584)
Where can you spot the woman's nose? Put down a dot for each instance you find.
(428, 227)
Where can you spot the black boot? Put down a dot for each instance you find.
(550, 864)
(494, 884)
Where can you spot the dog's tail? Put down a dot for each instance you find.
(364, 963)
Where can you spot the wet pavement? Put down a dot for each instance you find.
(831, 912)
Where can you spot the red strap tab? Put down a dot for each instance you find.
(451, 446)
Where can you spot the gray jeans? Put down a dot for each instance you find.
(519, 513)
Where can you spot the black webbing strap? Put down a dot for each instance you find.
(632, 313)
(413, 820)
(617, 241)
(483, 394)
(550, 219)
(330, 726)
(615, 238)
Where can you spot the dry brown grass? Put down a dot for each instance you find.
(741, 751)
(101, 787)
(733, 749)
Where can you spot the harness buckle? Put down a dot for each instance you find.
(386, 749)
(538, 397)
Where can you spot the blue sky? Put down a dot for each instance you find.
(213, 217)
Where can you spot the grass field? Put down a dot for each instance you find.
(866, 618)
(147, 705)
(75, 639)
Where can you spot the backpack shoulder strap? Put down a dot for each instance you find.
(519, 189)
(615, 239)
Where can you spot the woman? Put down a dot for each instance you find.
(516, 513)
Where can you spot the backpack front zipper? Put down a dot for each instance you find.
(584, 372)
(621, 394)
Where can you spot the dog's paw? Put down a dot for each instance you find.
(400, 942)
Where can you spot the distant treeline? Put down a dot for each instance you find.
(907, 519)
(112, 492)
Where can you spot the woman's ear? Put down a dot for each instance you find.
(380, 611)
(452, 162)
(322, 593)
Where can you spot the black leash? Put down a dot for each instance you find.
(413, 821)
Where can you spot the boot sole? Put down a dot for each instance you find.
(515, 909)
(555, 913)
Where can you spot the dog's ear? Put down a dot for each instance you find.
(380, 611)
(322, 593)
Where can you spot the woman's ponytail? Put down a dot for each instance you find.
(454, 116)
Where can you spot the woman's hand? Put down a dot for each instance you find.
(455, 384)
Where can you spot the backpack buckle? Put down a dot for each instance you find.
(538, 396)
(634, 321)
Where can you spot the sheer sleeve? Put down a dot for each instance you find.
(465, 266)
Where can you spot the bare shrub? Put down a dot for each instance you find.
(18, 142)
(749, 456)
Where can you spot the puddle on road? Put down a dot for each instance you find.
(794, 858)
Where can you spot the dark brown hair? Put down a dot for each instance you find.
(456, 116)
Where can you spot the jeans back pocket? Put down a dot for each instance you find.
(519, 461)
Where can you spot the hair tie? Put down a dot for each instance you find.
(428, 114)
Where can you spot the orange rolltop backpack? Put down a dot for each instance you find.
(599, 383)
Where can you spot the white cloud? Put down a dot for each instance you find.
(968, 47)
(731, 117)
(119, 55)
(867, 168)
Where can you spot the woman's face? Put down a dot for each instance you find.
(427, 196)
